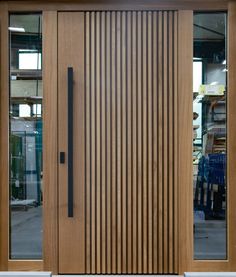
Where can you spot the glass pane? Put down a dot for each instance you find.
(210, 136)
(26, 149)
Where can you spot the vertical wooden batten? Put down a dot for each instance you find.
(130, 145)
(50, 139)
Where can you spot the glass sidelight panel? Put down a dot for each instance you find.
(210, 136)
(26, 149)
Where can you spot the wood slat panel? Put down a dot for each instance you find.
(134, 143)
(131, 149)
(155, 143)
(160, 142)
(108, 142)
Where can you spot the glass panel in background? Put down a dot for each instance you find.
(26, 149)
(210, 136)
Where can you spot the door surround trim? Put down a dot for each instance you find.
(50, 219)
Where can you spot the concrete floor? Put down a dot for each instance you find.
(26, 233)
(26, 236)
(210, 240)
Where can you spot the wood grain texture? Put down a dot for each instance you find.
(101, 5)
(71, 230)
(25, 265)
(130, 183)
(50, 138)
(185, 201)
(4, 138)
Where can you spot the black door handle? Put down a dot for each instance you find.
(70, 142)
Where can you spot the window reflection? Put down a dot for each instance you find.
(26, 136)
(209, 136)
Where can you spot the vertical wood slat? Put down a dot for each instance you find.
(118, 140)
(98, 141)
(131, 144)
(129, 161)
(170, 142)
(150, 143)
(160, 143)
(134, 143)
(114, 144)
(103, 146)
(108, 140)
(144, 138)
(165, 143)
(155, 143)
(124, 131)
(175, 145)
(92, 151)
(139, 143)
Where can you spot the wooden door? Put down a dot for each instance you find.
(124, 142)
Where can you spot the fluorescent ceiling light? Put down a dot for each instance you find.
(224, 62)
(225, 70)
(16, 29)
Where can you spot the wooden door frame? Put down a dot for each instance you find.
(50, 160)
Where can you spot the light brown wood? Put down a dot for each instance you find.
(160, 142)
(185, 200)
(176, 143)
(103, 144)
(25, 265)
(4, 138)
(114, 143)
(93, 117)
(139, 143)
(134, 136)
(129, 141)
(50, 138)
(124, 130)
(165, 143)
(98, 140)
(144, 139)
(71, 230)
(170, 140)
(155, 142)
(149, 142)
(117, 138)
(79, 5)
(120, 89)
(108, 141)
(88, 138)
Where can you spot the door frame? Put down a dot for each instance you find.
(50, 158)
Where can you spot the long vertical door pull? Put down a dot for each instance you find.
(70, 140)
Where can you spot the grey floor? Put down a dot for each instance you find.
(26, 233)
(210, 240)
(26, 236)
